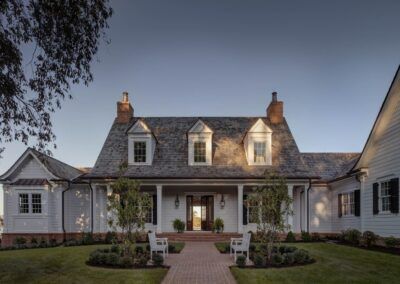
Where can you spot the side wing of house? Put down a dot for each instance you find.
(380, 161)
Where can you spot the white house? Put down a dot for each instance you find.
(201, 168)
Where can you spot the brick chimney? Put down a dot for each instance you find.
(275, 110)
(124, 109)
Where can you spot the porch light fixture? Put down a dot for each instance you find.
(222, 202)
(177, 202)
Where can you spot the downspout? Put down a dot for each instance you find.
(308, 205)
(63, 208)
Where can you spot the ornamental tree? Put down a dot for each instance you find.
(129, 208)
(272, 207)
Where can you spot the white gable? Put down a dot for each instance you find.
(260, 127)
(139, 127)
(200, 127)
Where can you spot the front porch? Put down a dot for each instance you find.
(198, 204)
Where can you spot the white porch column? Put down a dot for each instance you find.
(290, 217)
(240, 208)
(306, 209)
(109, 214)
(159, 208)
(93, 211)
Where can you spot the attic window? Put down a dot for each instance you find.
(199, 152)
(139, 151)
(259, 152)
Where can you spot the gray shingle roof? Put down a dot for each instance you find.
(56, 167)
(330, 166)
(171, 154)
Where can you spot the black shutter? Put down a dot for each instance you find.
(357, 202)
(339, 205)
(375, 195)
(154, 209)
(394, 195)
(244, 210)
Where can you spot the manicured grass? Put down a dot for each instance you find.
(334, 264)
(67, 265)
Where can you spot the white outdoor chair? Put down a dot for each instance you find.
(158, 245)
(240, 245)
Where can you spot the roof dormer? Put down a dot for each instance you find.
(200, 144)
(141, 144)
(258, 144)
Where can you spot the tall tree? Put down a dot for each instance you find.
(64, 36)
(272, 205)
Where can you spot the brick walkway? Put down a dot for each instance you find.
(199, 262)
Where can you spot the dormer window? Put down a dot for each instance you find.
(258, 144)
(199, 152)
(139, 151)
(200, 145)
(141, 144)
(260, 152)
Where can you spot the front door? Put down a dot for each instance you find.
(200, 213)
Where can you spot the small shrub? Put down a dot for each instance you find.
(352, 236)
(53, 242)
(252, 247)
(148, 247)
(391, 242)
(290, 238)
(70, 243)
(227, 248)
(95, 258)
(87, 238)
(139, 250)
(115, 249)
(369, 238)
(241, 261)
(288, 258)
(43, 243)
(259, 260)
(34, 241)
(218, 225)
(179, 225)
(20, 241)
(142, 260)
(276, 259)
(126, 262)
(111, 237)
(301, 256)
(316, 237)
(171, 248)
(264, 249)
(305, 236)
(158, 259)
(286, 249)
(112, 259)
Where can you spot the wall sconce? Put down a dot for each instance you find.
(222, 202)
(177, 202)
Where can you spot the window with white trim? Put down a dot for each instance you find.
(139, 151)
(23, 203)
(252, 212)
(384, 193)
(199, 152)
(36, 203)
(348, 205)
(260, 152)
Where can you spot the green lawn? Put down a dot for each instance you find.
(335, 264)
(67, 265)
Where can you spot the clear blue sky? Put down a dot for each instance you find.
(331, 62)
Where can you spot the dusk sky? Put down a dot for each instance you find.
(331, 62)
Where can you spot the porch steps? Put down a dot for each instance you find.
(199, 236)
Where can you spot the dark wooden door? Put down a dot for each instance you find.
(207, 213)
(189, 213)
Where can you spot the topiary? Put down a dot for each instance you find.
(218, 225)
(290, 237)
(352, 236)
(369, 238)
(241, 261)
(391, 242)
(158, 259)
(259, 260)
(178, 225)
(301, 256)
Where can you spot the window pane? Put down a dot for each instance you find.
(199, 152)
(23, 203)
(36, 203)
(385, 196)
(259, 152)
(139, 152)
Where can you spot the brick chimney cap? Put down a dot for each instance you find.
(125, 97)
(274, 96)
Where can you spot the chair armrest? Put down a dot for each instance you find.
(236, 241)
(162, 240)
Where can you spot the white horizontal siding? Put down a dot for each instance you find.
(345, 222)
(30, 169)
(320, 209)
(384, 161)
(77, 209)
